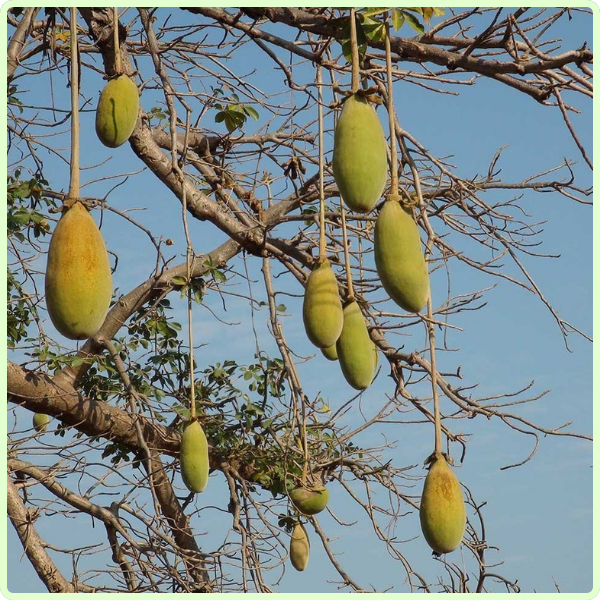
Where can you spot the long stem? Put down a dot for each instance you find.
(74, 174)
(322, 243)
(116, 40)
(189, 261)
(355, 58)
(390, 107)
(346, 253)
(436, 398)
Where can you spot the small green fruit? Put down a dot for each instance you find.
(40, 422)
(359, 155)
(322, 308)
(330, 353)
(443, 515)
(309, 501)
(117, 111)
(399, 257)
(78, 280)
(194, 457)
(355, 349)
(299, 547)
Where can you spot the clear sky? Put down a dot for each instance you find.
(538, 515)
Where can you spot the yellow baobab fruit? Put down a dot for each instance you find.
(322, 308)
(399, 257)
(78, 279)
(355, 349)
(442, 512)
(309, 501)
(117, 111)
(194, 457)
(359, 155)
(299, 547)
(330, 353)
(40, 422)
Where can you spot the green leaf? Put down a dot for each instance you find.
(397, 19)
(414, 22)
(374, 29)
(251, 112)
(178, 280)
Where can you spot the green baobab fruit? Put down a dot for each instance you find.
(117, 111)
(194, 457)
(299, 547)
(40, 422)
(359, 155)
(78, 279)
(330, 353)
(399, 257)
(442, 512)
(355, 349)
(309, 501)
(322, 308)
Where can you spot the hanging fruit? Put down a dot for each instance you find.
(309, 501)
(40, 422)
(78, 279)
(399, 258)
(355, 349)
(299, 547)
(194, 457)
(322, 308)
(359, 155)
(118, 106)
(117, 111)
(442, 511)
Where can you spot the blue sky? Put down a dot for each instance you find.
(540, 514)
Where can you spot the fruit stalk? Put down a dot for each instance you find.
(354, 47)
(436, 398)
(390, 107)
(322, 245)
(116, 40)
(74, 80)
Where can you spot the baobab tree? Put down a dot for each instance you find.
(231, 157)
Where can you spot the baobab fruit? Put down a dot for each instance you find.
(299, 547)
(78, 280)
(359, 155)
(309, 501)
(322, 308)
(194, 457)
(117, 111)
(355, 349)
(442, 512)
(40, 422)
(399, 257)
(330, 353)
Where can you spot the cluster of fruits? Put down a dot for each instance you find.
(360, 171)
(78, 289)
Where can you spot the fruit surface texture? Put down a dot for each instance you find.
(359, 155)
(117, 111)
(194, 457)
(40, 422)
(78, 280)
(442, 512)
(310, 501)
(355, 349)
(299, 547)
(322, 308)
(399, 258)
